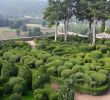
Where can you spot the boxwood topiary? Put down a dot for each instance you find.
(66, 73)
(100, 78)
(68, 64)
(103, 48)
(38, 63)
(86, 48)
(40, 94)
(96, 54)
(52, 71)
(18, 88)
(18, 80)
(26, 74)
(15, 96)
(8, 70)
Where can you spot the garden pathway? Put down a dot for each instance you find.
(32, 43)
(79, 96)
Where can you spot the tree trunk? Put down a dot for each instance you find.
(94, 31)
(65, 30)
(56, 30)
(90, 24)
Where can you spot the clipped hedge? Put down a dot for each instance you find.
(40, 94)
(66, 73)
(86, 48)
(15, 96)
(90, 90)
(26, 74)
(18, 88)
(96, 54)
(8, 70)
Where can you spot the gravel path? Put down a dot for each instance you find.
(79, 96)
(32, 43)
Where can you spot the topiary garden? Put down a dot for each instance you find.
(44, 69)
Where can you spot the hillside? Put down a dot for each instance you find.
(22, 7)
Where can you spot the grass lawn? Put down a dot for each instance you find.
(7, 33)
(6, 29)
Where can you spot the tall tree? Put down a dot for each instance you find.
(52, 14)
(94, 10)
(67, 11)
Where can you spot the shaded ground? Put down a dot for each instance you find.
(79, 96)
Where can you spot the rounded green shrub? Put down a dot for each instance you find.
(30, 62)
(40, 94)
(43, 56)
(76, 69)
(107, 42)
(66, 73)
(26, 74)
(79, 77)
(96, 54)
(61, 68)
(38, 63)
(14, 58)
(52, 71)
(39, 97)
(103, 48)
(100, 78)
(87, 59)
(87, 79)
(15, 96)
(7, 55)
(103, 71)
(18, 88)
(84, 68)
(86, 48)
(8, 70)
(53, 96)
(18, 80)
(40, 78)
(68, 65)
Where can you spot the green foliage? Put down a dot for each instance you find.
(8, 70)
(18, 88)
(86, 48)
(40, 78)
(18, 80)
(26, 74)
(30, 62)
(107, 30)
(102, 28)
(103, 48)
(53, 96)
(68, 65)
(52, 71)
(96, 54)
(40, 94)
(107, 42)
(1, 92)
(38, 63)
(90, 90)
(15, 96)
(100, 78)
(66, 73)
